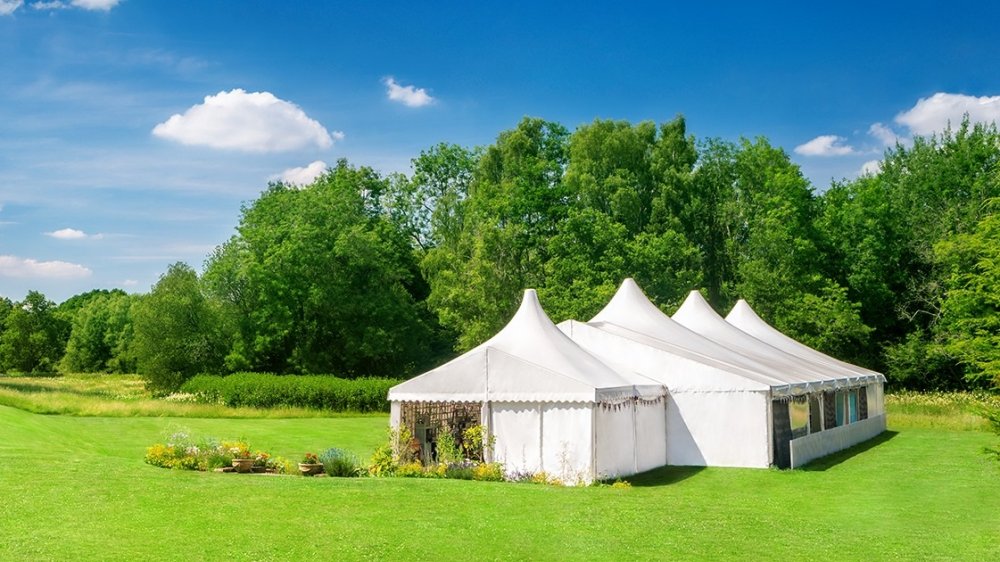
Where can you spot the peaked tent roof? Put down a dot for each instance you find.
(746, 319)
(631, 314)
(529, 360)
(699, 316)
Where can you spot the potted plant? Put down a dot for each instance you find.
(260, 461)
(310, 465)
(242, 460)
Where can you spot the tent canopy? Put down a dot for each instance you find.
(744, 318)
(529, 360)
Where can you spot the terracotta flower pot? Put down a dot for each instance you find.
(243, 465)
(310, 468)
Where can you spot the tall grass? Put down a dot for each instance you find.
(121, 396)
(961, 411)
(262, 390)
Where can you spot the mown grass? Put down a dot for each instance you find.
(76, 488)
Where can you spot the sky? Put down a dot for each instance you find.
(132, 131)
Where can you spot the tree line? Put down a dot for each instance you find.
(362, 273)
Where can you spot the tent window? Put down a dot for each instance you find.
(852, 405)
(840, 409)
(798, 416)
(815, 415)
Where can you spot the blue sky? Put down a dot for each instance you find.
(131, 131)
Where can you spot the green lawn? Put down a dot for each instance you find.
(77, 488)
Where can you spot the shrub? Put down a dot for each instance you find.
(262, 390)
(488, 472)
(411, 470)
(382, 462)
(448, 450)
(338, 462)
(186, 453)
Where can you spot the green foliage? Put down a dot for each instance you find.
(322, 279)
(185, 452)
(323, 392)
(449, 449)
(101, 336)
(475, 443)
(338, 462)
(178, 331)
(33, 335)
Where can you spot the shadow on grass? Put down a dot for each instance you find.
(664, 475)
(833, 459)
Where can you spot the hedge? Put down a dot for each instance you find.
(263, 390)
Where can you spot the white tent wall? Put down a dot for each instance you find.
(651, 435)
(517, 427)
(614, 440)
(718, 429)
(567, 441)
(816, 445)
(876, 399)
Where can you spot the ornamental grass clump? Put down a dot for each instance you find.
(338, 462)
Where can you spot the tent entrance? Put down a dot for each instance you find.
(426, 421)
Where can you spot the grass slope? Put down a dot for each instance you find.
(76, 488)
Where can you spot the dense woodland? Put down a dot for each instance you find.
(362, 273)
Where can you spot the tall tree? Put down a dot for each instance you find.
(101, 336)
(32, 339)
(178, 331)
(322, 279)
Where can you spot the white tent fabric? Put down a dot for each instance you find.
(528, 360)
(697, 315)
(550, 405)
(744, 318)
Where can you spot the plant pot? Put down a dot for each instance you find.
(310, 468)
(259, 469)
(243, 465)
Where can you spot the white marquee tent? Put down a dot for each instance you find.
(550, 405)
(725, 386)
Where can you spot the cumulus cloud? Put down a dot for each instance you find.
(72, 234)
(870, 168)
(825, 145)
(933, 114)
(884, 134)
(253, 122)
(7, 7)
(27, 268)
(303, 175)
(409, 96)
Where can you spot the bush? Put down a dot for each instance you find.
(183, 452)
(338, 462)
(262, 390)
(488, 472)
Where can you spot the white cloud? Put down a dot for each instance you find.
(7, 7)
(13, 266)
(254, 122)
(870, 168)
(68, 234)
(104, 5)
(73, 234)
(884, 134)
(932, 115)
(409, 96)
(825, 145)
(129, 283)
(91, 5)
(303, 175)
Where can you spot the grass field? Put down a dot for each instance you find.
(76, 488)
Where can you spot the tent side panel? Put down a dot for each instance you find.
(566, 441)
(816, 445)
(517, 428)
(615, 440)
(717, 429)
(651, 435)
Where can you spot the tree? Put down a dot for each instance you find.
(101, 336)
(323, 279)
(178, 331)
(32, 338)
